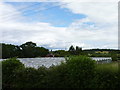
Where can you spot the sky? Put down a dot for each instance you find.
(58, 25)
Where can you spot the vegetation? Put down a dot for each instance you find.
(76, 72)
(113, 66)
(26, 50)
(9, 68)
(107, 76)
(61, 53)
(80, 71)
(31, 50)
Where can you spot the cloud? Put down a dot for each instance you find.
(9, 14)
(97, 30)
(104, 19)
(97, 12)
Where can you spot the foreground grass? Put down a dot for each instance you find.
(113, 66)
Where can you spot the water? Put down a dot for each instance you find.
(49, 61)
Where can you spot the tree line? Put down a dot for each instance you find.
(31, 50)
(26, 50)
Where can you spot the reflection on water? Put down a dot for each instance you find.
(47, 62)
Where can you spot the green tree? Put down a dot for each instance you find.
(28, 49)
(78, 50)
(41, 51)
(9, 50)
(72, 50)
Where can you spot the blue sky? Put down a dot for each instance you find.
(57, 25)
(51, 13)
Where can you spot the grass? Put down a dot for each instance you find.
(113, 66)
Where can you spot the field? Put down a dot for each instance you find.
(113, 66)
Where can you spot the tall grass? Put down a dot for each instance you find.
(113, 67)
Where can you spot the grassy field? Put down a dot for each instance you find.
(113, 66)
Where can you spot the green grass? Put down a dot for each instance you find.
(113, 66)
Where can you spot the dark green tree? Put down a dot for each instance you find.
(41, 51)
(28, 49)
(72, 50)
(9, 50)
(78, 50)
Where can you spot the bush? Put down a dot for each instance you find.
(105, 79)
(81, 71)
(106, 76)
(42, 77)
(9, 68)
(26, 78)
(57, 76)
(114, 56)
(76, 72)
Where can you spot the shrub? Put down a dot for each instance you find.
(106, 76)
(31, 78)
(114, 56)
(26, 78)
(9, 68)
(81, 71)
(42, 77)
(105, 79)
(57, 76)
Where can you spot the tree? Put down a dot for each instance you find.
(9, 50)
(75, 51)
(18, 51)
(28, 49)
(28, 44)
(61, 53)
(72, 50)
(78, 50)
(41, 51)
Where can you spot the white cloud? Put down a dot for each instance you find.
(97, 12)
(102, 31)
(9, 14)
(104, 17)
